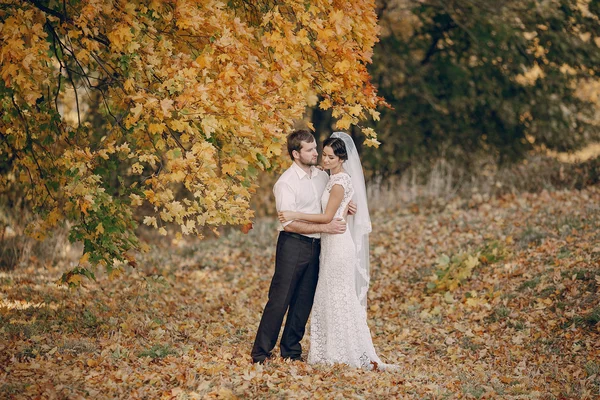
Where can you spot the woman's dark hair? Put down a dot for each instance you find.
(295, 139)
(338, 147)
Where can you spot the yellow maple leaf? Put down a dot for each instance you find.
(120, 36)
(84, 206)
(129, 85)
(229, 168)
(115, 273)
(370, 142)
(166, 106)
(344, 122)
(178, 125)
(156, 128)
(84, 258)
(137, 168)
(325, 104)
(209, 125)
(341, 67)
(355, 110)
(75, 279)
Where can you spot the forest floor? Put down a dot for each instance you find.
(495, 298)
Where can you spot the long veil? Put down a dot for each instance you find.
(360, 223)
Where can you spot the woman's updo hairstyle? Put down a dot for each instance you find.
(338, 147)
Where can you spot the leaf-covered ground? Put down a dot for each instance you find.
(476, 299)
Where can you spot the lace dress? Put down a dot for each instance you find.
(339, 331)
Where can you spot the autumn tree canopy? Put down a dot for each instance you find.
(174, 105)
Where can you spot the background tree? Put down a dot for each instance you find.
(175, 104)
(480, 76)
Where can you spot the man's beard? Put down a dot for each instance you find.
(308, 163)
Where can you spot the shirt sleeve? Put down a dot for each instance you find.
(285, 199)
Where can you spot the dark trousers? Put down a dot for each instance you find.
(292, 290)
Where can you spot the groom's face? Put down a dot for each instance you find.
(308, 153)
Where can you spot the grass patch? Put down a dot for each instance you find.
(75, 346)
(6, 281)
(592, 368)
(90, 320)
(492, 252)
(467, 344)
(579, 274)
(564, 253)
(588, 320)
(517, 325)
(501, 313)
(566, 224)
(40, 320)
(157, 351)
(27, 353)
(531, 235)
(22, 331)
(473, 390)
(530, 284)
(547, 292)
(11, 389)
(119, 353)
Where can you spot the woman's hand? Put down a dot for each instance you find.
(352, 208)
(285, 216)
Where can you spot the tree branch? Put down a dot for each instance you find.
(47, 10)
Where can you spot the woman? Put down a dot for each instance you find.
(339, 331)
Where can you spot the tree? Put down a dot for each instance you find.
(177, 104)
(466, 77)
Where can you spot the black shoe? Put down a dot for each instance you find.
(296, 358)
(264, 360)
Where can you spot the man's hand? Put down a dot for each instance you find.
(285, 216)
(336, 226)
(352, 208)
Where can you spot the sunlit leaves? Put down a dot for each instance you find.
(452, 272)
(169, 106)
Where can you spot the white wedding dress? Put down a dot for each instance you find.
(339, 331)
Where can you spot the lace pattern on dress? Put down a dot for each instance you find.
(339, 331)
(344, 180)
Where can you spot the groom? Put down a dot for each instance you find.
(297, 256)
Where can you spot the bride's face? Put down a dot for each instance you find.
(330, 160)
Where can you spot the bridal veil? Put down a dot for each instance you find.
(359, 224)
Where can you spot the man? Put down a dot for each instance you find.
(297, 256)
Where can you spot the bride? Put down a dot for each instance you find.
(339, 331)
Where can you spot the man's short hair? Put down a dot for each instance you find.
(295, 139)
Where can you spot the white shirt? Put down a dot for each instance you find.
(295, 190)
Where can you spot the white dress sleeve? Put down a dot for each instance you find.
(344, 180)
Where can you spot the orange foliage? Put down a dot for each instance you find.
(197, 99)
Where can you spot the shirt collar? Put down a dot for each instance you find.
(301, 173)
